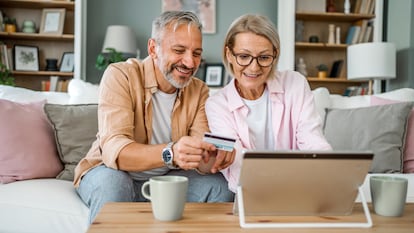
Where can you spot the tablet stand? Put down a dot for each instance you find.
(244, 224)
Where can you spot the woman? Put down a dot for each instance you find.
(261, 107)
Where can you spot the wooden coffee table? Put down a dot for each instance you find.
(218, 217)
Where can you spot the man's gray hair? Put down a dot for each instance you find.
(175, 19)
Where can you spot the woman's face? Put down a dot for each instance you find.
(251, 77)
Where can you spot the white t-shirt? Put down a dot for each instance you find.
(162, 106)
(259, 120)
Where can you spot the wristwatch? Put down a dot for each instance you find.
(167, 156)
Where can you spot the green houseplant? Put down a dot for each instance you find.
(104, 59)
(5, 76)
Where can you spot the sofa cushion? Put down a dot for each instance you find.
(380, 129)
(82, 92)
(27, 144)
(24, 95)
(408, 152)
(75, 128)
(322, 100)
(42, 205)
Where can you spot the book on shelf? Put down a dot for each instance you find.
(357, 6)
(54, 84)
(365, 6)
(5, 58)
(371, 8)
(336, 68)
(349, 35)
(356, 35)
(355, 90)
(363, 23)
(368, 34)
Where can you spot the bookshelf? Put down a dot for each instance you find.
(50, 46)
(313, 23)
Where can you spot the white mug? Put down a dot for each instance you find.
(388, 195)
(168, 195)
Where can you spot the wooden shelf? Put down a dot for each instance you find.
(36, 36)
(50, 46)
(333, 80)
(332, 16)
(38, 4)
(43, 73)
(313, 54)
(320, 45)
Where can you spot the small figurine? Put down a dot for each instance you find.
(301, 67)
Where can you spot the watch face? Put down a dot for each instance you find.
(166, 156)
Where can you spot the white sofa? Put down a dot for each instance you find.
(52, 205)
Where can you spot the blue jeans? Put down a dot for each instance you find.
(102, 184)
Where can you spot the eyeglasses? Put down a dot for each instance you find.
(246, 59)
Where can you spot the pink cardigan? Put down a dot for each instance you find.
(296, 122)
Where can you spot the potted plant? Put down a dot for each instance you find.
(104, 59)
(10, 24)
(5, 76)
(322, 70)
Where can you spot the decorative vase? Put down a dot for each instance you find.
(28, 26)
(338, 35)
(331, 6)
(331, 38)
(51, 65)
(347, 7)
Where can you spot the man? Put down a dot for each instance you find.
(152, 108)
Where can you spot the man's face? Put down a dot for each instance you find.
(178, 54)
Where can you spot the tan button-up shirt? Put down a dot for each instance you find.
(125, 112)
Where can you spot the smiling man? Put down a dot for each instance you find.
(151, 121)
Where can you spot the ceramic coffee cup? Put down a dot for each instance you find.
(168, 195)
(388, 195)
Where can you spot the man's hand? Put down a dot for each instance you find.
(189, 152)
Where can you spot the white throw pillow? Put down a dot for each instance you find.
(82, 92)
(23, 95)
(322, 100)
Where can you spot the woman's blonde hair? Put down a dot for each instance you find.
(257, 24)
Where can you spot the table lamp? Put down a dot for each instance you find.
(122, 39)
(370, 61)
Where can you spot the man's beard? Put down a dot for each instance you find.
(169, 77)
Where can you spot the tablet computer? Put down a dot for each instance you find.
(322, 183)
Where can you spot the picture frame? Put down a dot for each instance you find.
(67, 63)
(52, 21)
(26, 58)
(214, 75)
(205, 10)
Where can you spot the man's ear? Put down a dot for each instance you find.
(152, 48)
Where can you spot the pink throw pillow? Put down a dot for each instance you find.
(408, 152)
(27, 144)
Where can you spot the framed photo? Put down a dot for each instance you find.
(26, 58)
(67, 63)
(204, 9)
(52, 21)
(214, 75)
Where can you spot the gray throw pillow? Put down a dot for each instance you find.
(75, 128)
(380, 129)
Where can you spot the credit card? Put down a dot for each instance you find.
(221, 142)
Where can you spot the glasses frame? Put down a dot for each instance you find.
(252, 58)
